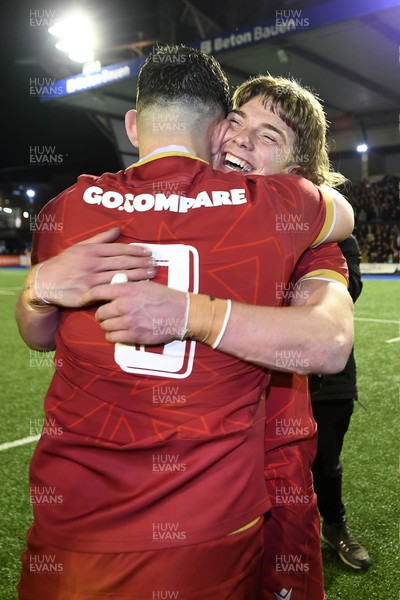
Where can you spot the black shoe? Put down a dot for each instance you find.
(338, 537)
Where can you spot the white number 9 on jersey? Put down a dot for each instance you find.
(182, 263)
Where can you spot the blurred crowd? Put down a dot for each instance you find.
(377, 214)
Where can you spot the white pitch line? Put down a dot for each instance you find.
(376, 320)
(393, 340)
(21, 442)
(7, 293)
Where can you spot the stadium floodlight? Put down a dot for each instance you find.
(25, 214)
(30, 193)
(362, 148)
(7, 210)
(75, 36)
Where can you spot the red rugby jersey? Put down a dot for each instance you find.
(164, 445)
(290, 431)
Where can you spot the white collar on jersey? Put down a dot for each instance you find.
(170, 148)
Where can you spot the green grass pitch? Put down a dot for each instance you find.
(369, 455)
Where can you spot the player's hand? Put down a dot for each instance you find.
(63, 279)
(141, 313)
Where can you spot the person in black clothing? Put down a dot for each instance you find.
(332, 399)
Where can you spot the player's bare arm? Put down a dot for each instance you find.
(61, 281)
(321, 330)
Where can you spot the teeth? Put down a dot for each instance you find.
(236, 164)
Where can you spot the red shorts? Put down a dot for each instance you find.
(222, 569)
(292, 547)
(292, 554)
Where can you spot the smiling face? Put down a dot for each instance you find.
(258, 142)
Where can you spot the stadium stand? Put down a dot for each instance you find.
(377, 213)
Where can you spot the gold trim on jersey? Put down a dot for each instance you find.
(326, 274)
(163, 155)
(251, 524)
(329, 218)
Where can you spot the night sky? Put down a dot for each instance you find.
(26, 122)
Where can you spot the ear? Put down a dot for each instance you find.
(218, 136)
(291, 169)
(131, 127)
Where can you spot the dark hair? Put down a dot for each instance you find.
(302, 111)
(184, 75)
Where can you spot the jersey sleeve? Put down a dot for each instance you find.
(330, 218)
(326, 262)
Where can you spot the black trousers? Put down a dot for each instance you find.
(333, 418)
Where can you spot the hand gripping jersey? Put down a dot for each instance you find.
(159, 446)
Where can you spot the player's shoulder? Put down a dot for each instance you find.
(290, 181)
(103, 179)
(286, 190)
